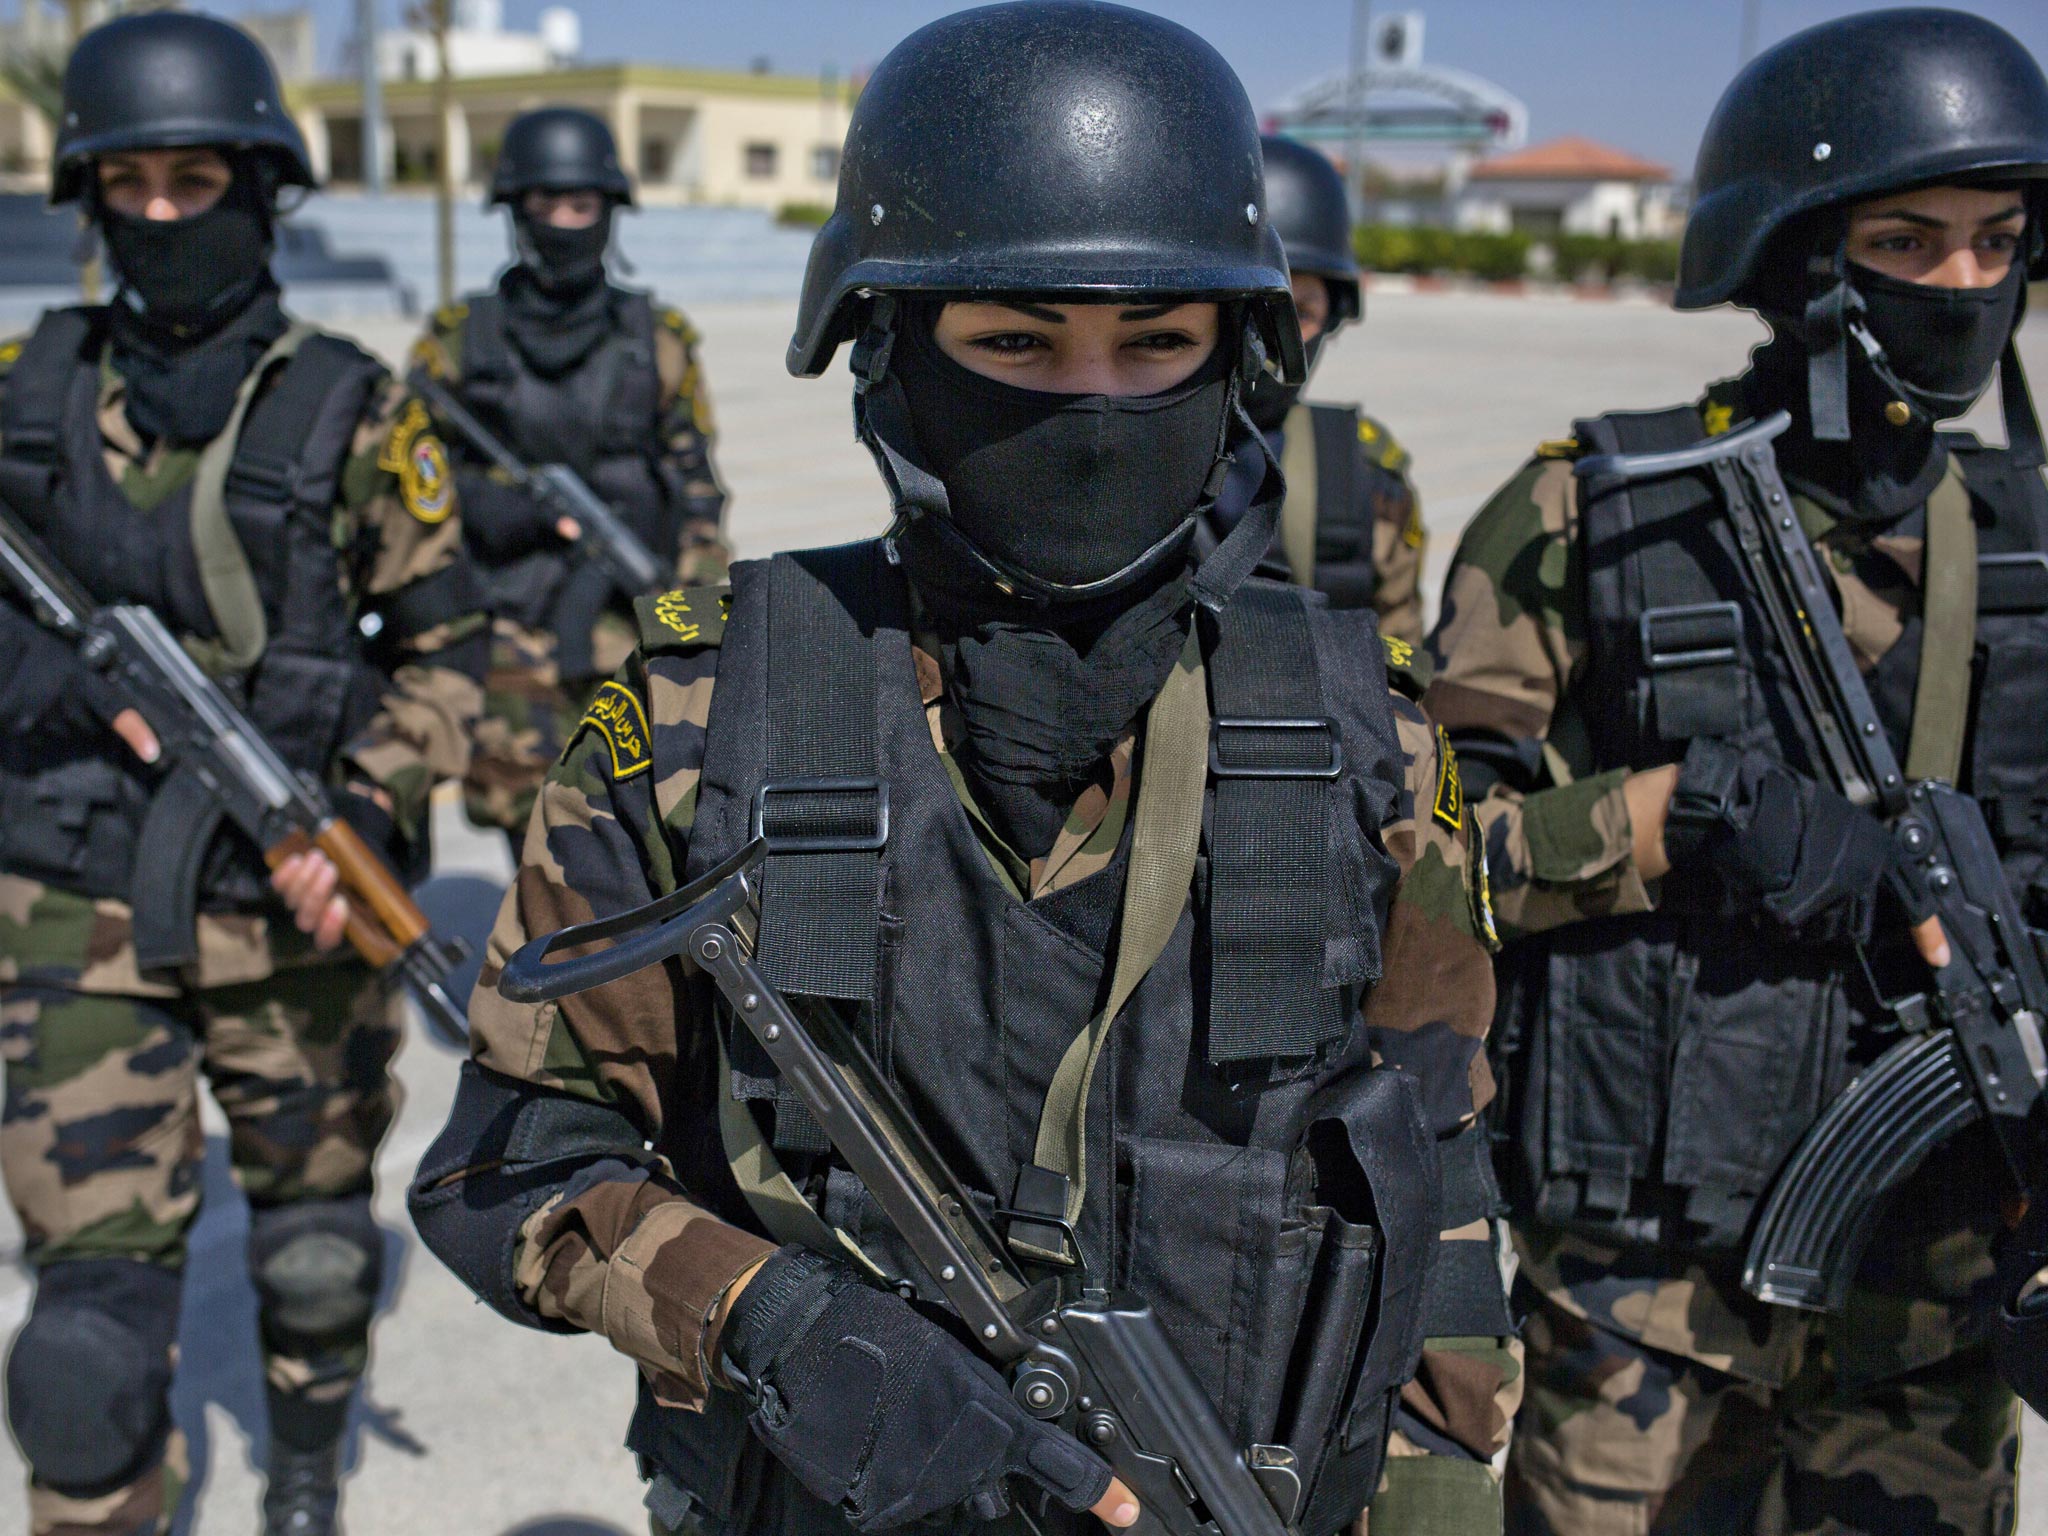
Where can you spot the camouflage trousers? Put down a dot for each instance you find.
(101, 1147)
(1867, 1423)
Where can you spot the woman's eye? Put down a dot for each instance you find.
(2005, 240)
(1165, 341)
(1008, 343)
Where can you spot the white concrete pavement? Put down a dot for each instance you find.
(472, 1427)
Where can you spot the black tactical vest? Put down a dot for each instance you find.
(1666, 1064)
(77, 822)
(602, 419)
(1347, 483)
(1248, 1173)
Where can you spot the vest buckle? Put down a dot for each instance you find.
(827, 815)
(1263, 747)
(263, 477)
(1690, 635)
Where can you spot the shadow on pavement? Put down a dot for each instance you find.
(218, 1359)
(565, 1525)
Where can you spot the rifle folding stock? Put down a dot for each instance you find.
(222, 768)
(1971, 1048)
(1099, 1365)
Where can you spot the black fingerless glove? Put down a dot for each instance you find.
(1806, 855)
(879, 1410)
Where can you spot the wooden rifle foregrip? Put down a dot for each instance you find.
(383, 922)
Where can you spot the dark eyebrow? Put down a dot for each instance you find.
(1035, 311)
(1923, 221)
(1150, 312)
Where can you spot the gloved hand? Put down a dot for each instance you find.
(2019, 1330)
(877, 1409)
(500, 521)
(1805, 854)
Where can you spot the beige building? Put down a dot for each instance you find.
(685, 135)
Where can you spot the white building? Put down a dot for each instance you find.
(478, 44)
(1569, 186)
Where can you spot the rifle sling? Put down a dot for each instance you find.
(224, 571)
(1298, 512)
(1948, 639)
(1166, 831)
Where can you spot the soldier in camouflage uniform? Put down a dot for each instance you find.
(1351, 526)
(564, 367)
(275, 497)
(623, 1162)
(1686, 904)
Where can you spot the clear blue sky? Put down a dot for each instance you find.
(1639, 74)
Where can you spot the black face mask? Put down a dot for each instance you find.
(1071, 489)
(184, 390)
(565, 263)
(189, 276)
(1268, 401)
(1940, 344)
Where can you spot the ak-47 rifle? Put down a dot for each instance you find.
(1097, 1364)
(1971, 1047)
(221, 767)
(632, 566)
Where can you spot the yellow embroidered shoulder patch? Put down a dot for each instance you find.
(414, 452)
(1381, 446)
(1558, 448)
(688, 616)
(449, 316)
(10, 351)
(1408, 669)
(616, 715)
(1449, 807)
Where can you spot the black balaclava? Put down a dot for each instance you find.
(196, 308)
(557, 305)
(1869, 365)
(1940, 344)
(1074, 490)
(1029, 475)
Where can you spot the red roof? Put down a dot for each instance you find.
(1569, 159)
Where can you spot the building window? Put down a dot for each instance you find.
(825, 163)
(760, 162)
(654, 159)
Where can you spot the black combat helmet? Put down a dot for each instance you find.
(558, 149)
(166, 80)
(1053, 147)
(1849, 110)
(1313, 215)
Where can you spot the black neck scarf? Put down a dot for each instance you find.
(1044, 693)
(1880, 474)
(181, 389)
(554, 329)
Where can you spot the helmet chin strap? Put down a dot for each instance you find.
(881, 419)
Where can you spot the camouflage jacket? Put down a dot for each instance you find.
(1509, 650)
(684, 438)
(396, 505)
(638, 1260)
(1399, 540)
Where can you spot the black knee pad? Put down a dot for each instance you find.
(89, 1378)
(318, 1265)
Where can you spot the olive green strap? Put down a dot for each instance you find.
(1166, 830)
(1298, 511)
(774, 1199)
(224, 574)
(1948, 636)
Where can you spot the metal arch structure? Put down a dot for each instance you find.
(1459, 109)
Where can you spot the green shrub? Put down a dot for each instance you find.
(1505, 257)
(803, 215)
